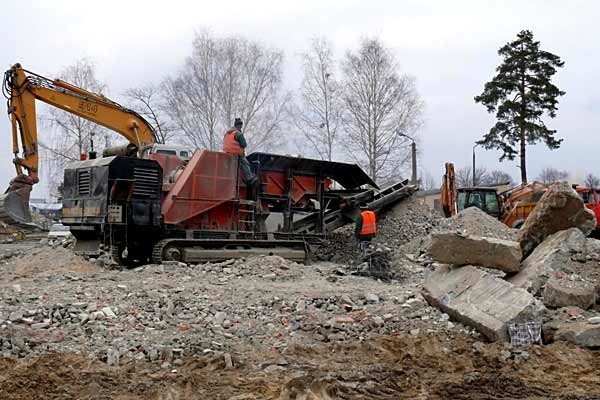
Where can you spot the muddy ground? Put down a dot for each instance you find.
(432, 366)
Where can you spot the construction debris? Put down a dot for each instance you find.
(478, 299)
(560, 208)
(551, 255)
(565, 292)
(571, 324)
(459, 249)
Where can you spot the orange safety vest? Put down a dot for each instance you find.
(369, 226)
(230, 145)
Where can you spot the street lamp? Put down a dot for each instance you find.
(413, 150)
(474, 179)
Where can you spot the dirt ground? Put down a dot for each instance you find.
(404, 367)
(260, 329)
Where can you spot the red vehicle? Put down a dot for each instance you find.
(591, 198)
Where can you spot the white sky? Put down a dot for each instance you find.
(449, 46)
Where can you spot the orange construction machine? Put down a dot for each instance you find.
(150, 202)
(513, 206)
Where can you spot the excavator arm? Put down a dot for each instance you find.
(22, 88)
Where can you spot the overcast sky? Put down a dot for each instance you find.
(449, 46)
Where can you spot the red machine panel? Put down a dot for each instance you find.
(303, 187)
(208, 182)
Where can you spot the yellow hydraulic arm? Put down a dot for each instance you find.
(23, 88)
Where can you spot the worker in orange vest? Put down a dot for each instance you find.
(235, 143)
(366, 228)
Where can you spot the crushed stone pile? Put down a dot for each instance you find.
(410, 220)
(473, 221)
(48, 261)
(55, 301)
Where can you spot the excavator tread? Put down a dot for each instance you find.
(219, 246)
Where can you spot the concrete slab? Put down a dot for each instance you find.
(480, 300)
(458, 249)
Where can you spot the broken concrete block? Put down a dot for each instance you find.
(563, 293)
(458, 249)
(480, 300)
(552, 255)
(580, 333)
(560, 208)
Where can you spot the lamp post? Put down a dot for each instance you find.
(474, 179)
(413, 150)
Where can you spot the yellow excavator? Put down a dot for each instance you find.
(22, 88)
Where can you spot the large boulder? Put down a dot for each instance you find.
(481, 300)
(559, 208)
(565, 292)
(459, 249)
(563, 269)
(550, 256)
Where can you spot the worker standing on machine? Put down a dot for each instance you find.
(365, 229)
(235, 143)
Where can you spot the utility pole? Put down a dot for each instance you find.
(474, 179)
(413, 150)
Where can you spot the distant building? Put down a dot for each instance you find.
(49, 210)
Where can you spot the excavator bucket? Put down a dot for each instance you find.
(14, 204)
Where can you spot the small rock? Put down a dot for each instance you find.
(112, 357)
(378, 321)
(15, 316)
(301, 306)
(219, 318)
(40, 325)
(228, 361)
(415, 332)
(371, 298)
(594, 320)
(17, 288)
(109, 312)
(344, 320)
(478, 347)
(505, 355)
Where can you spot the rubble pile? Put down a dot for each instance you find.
(473, 221)
(409, 221)
(58, 302)
(561, 270)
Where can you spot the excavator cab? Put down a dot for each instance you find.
(486, 199)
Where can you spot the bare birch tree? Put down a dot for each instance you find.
(464, 177)
(318, 116)
(591, 180)
(382, 106)
(146, 101)
(225, 78)
(69, 135)
(551, 175)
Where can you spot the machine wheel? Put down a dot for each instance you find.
(126, 258)
(116, 252)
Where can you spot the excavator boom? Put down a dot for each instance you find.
(22, 88)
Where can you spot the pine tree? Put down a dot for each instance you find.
(520, 94)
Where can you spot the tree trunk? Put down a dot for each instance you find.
(523, 167)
